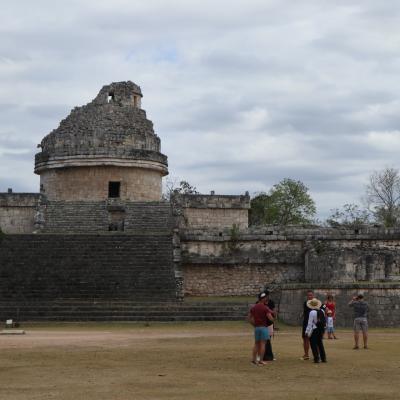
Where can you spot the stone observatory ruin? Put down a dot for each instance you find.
(98, 242)
(105, 149)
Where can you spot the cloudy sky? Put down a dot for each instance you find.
(242, 93)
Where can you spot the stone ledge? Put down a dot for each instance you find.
(350, 285)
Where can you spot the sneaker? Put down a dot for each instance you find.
(355, 348)
(304, 358)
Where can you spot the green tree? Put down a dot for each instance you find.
(349, 216)
(183, 187)
(383, 196)
(287, 203)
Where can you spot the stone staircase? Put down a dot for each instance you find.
(46, 267)
(148, 216)
(114, 311)
(94, 216)
(75, 216)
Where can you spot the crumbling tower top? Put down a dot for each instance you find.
(121, 93)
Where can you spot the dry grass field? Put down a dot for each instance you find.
(189, 361)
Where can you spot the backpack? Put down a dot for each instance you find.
(321, 320)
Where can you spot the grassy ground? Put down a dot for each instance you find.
(189, 361)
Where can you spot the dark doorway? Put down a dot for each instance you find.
(114, 189)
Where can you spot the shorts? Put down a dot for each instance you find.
(360, 324)
(261, 333)
(330, 329)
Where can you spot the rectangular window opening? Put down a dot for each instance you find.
(113, 189)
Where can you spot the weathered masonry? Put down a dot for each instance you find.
(98, 232)
(291, 260)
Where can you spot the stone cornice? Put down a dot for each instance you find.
(99, 160)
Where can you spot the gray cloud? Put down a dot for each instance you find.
(242, 94)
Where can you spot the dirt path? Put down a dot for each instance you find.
(81, 338)
(117, 338)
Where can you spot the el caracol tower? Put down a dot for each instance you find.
(105, 149)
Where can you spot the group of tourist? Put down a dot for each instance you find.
(318, 318)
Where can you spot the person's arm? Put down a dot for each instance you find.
(352, 301)
(270, 317)
(310, 325)
(250, 318)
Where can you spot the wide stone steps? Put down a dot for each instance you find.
(90, 217)
(98, 266)
(122, 311)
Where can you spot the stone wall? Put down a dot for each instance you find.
(222, 262)
(233, 280)
(353, 260)
(216, 218)
(91, 183)
(211, 211)
(17, 212)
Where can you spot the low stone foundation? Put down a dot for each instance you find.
(232, 280)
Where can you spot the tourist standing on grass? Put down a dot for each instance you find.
(315, 330)
(269, 355)
(331, 309)
(306, 313)
(258, 316)
(360, 310)
(330, 325)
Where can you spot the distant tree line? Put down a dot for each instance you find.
(289, 203)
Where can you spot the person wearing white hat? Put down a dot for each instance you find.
(315, 330)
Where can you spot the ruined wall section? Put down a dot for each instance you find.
(17, 212)
(365, 259)
(212, 211)
(225, 262)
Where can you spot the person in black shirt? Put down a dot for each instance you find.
(306, 313)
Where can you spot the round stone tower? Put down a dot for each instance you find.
(105, 149)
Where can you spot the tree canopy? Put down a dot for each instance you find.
(349, 216)
(383, 196)
(183, 187)
(287, 203)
